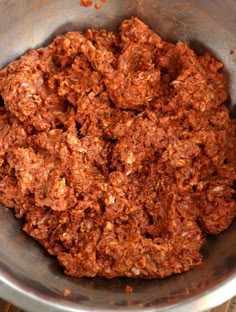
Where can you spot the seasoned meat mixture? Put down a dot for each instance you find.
(117, 151)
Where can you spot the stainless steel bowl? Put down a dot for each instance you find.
(29, 277)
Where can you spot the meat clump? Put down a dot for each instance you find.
(117, 151)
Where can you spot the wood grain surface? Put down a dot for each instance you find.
(229, 306)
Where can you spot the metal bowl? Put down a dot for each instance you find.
(29, 277)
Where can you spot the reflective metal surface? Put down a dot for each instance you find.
(29, 277)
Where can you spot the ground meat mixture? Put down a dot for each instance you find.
(117, 151)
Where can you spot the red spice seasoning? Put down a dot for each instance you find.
(66, 292)
(129, 289)
(86, 3)
(97, 6)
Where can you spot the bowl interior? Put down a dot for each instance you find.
(24, 266)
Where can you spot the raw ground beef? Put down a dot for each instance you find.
(117, 151)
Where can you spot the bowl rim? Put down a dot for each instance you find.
(31, 300)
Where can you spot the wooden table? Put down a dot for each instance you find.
(229, 306)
